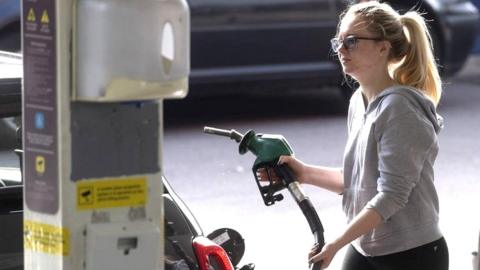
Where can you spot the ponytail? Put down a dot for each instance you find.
(418, 68)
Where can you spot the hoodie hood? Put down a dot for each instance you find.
(417, 99)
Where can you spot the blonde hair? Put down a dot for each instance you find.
(412, 62)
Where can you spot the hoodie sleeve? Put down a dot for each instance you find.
(404, 139)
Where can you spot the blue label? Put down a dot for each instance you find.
(39, 120)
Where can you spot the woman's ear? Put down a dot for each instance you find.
(385, 47)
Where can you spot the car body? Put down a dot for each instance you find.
(186, 247)
(9, 25)
(10, 79)
(286, 41)
(274, 44)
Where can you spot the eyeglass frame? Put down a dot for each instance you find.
(341, 42)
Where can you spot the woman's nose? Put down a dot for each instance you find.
(342, 50)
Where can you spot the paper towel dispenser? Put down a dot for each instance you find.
(131, 50)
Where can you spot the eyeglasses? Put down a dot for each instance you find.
(349, 42)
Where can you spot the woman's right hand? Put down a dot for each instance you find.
(296, 166)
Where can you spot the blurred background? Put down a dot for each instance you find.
(267, 65)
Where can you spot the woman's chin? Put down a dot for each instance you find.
(349, 71)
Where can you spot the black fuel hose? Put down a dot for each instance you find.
(313, 221)
(306, 206)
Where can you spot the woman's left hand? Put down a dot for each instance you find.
(325, 256)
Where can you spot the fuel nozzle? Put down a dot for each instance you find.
(232, 134)
(267, 148)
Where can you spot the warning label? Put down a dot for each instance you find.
(45, 18)
(46, 238)
(31, 15)
(110, 193)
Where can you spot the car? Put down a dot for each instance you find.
(186, 246)
(10, 25)
(10, 98)
(251, 45)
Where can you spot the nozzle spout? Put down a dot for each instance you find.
(232, 134)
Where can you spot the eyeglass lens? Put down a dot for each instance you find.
(348, 43)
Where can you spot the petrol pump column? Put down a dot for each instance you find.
(95, 76)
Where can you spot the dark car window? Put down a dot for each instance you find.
(179, 253)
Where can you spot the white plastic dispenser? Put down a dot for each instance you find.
(131, 50)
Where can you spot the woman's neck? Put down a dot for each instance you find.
(371, 88)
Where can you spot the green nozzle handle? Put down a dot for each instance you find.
(266, 147)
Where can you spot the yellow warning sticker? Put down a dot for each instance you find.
(40, 165)
(45, 18)
(46, 238)
(112, 192)
(31, 15)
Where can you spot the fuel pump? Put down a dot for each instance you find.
(95, 75)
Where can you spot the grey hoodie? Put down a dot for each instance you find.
(388, 167)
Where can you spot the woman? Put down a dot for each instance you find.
(387, 179)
